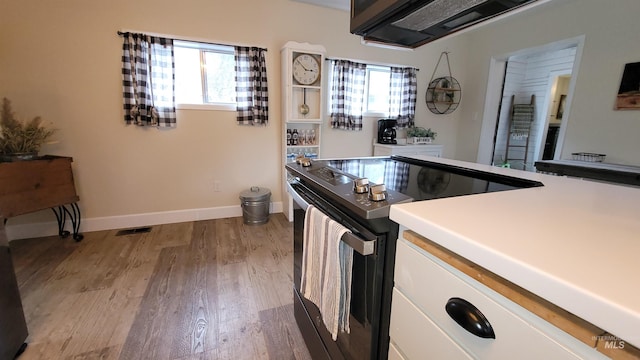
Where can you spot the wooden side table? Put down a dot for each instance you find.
(46, 182)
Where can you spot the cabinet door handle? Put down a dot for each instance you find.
(470, 318)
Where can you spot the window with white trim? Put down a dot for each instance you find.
(205, 76)
(377, 91)
(358, 90)
(376, 87)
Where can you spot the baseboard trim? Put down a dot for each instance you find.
(50, 228)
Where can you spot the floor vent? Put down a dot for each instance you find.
(139, 230)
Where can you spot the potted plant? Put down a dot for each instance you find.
(419, 135)
(20, 140)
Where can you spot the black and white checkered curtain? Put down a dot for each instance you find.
(347, 94)
(252, 99)
(403, 89)
(148, 80)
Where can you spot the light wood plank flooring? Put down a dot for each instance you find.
(214, 289)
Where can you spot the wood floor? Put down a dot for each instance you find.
(214, 289)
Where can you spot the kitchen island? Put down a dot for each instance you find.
(613, 173)
(574, 243)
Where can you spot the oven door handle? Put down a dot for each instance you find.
(297, 198)
(361, 246)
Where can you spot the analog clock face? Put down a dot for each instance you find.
(306, 69)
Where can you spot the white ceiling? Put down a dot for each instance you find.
(336, 4)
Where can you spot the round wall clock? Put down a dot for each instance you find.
(306, 69)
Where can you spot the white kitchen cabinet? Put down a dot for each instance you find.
(416, 336)
(407, 150)
(424, 284)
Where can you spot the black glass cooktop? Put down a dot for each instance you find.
(406, 179)
(423, 180)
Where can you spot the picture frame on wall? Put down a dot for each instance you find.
(561, 104)
(629, 92)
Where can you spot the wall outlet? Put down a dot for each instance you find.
(216, 185)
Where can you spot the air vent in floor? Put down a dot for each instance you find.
(139, 230)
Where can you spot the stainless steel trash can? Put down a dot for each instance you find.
(255, 205)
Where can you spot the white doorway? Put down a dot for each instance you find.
(555, 110)
(544, 72)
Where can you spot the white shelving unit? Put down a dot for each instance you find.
(302, 104)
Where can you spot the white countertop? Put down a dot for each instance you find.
(596, 165)
(575, 243)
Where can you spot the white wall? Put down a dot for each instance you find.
(61, 60)
(609, 32)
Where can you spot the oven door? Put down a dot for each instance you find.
(366, 292)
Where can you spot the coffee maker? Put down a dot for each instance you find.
(387, 131)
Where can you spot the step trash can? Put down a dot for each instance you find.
(255, 205)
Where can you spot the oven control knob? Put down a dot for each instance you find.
(361, 185)
(377, 192)
(304, 161)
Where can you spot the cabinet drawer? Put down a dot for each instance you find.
(429, 284)
(416, 336)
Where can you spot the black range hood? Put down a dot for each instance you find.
(411, 23)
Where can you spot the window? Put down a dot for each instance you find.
(357, 90)
(377, 90)
(205, 76)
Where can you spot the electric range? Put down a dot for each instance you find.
(358, 193)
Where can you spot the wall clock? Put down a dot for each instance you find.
(306, 69)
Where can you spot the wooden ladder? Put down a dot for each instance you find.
(520, 129)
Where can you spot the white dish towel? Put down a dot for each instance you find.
(326, 269)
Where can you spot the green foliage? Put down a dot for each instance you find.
(21, 136)
(421, 132)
